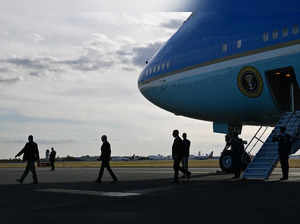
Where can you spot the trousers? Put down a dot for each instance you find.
(105, 164)
(185, 163)
(284, 162)
(30, 167)
(52, 164)
(177, 168)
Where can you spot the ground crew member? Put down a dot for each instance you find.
(237, 147)
(52, 159)
(105, 158)
(177, 155)
(284, 149)
(186, 154)
(30, 154)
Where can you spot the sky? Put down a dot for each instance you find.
(68, 74)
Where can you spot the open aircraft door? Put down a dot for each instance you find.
(284, 88)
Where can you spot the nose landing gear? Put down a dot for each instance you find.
(234, 155)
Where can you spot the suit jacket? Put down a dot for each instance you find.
(284, 144)
(177, 148)
(30, 152)
(186, 147)
(105, 152)
(52, 156)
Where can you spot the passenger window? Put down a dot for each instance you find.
(168, 65)
(285, 32)
(154, 69)
(158, 68)
(163, 66)
(295, 29)
(225, 48)
(239, 44)
(266, 37)
(150, 71)
(275, 34)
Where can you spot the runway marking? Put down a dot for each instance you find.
(93, 193)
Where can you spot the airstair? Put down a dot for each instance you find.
(267, 157)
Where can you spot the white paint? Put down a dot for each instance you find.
(93, 193)
(226, 64)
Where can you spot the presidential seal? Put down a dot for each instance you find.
(250, 82)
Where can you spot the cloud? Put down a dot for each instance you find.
(7, 115)
(4, 70)
(29, 63)
(39, 141)
(172, 24)
(37, 37)
(9, 80)
(99, 54)
(143, 53)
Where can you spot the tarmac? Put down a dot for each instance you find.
(146, 195)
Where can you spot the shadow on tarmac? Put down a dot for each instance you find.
(206, 198)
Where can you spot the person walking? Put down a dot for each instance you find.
(105, 158)
(284, 149)
(186, 155)
(52, 159)
(30, 154)
(177, 155)
(237, 147)
(47, 154)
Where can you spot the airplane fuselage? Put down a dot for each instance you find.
(226, 66)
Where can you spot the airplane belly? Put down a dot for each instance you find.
(212, 96)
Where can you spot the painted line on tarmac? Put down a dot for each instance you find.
(93, 193)
(107, 194)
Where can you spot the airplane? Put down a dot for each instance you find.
(233, 63)
(204, 157)
(156, 157)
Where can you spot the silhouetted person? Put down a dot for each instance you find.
(105, 158)
(52, 159)
(186, 155)
(30, 154)
(177, 155)
(237, 147)
(284, 149)
(47, 154)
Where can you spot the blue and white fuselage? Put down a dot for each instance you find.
(215, 66)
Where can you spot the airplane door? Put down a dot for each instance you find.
(284, 88)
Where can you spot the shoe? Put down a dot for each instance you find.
(235, 177)
(98, 181)
(189, 174)
(114, 181)
(284, 178)
(20, 181)
(183, 176)
(34, 182)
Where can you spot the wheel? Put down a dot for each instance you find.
(226, 161)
